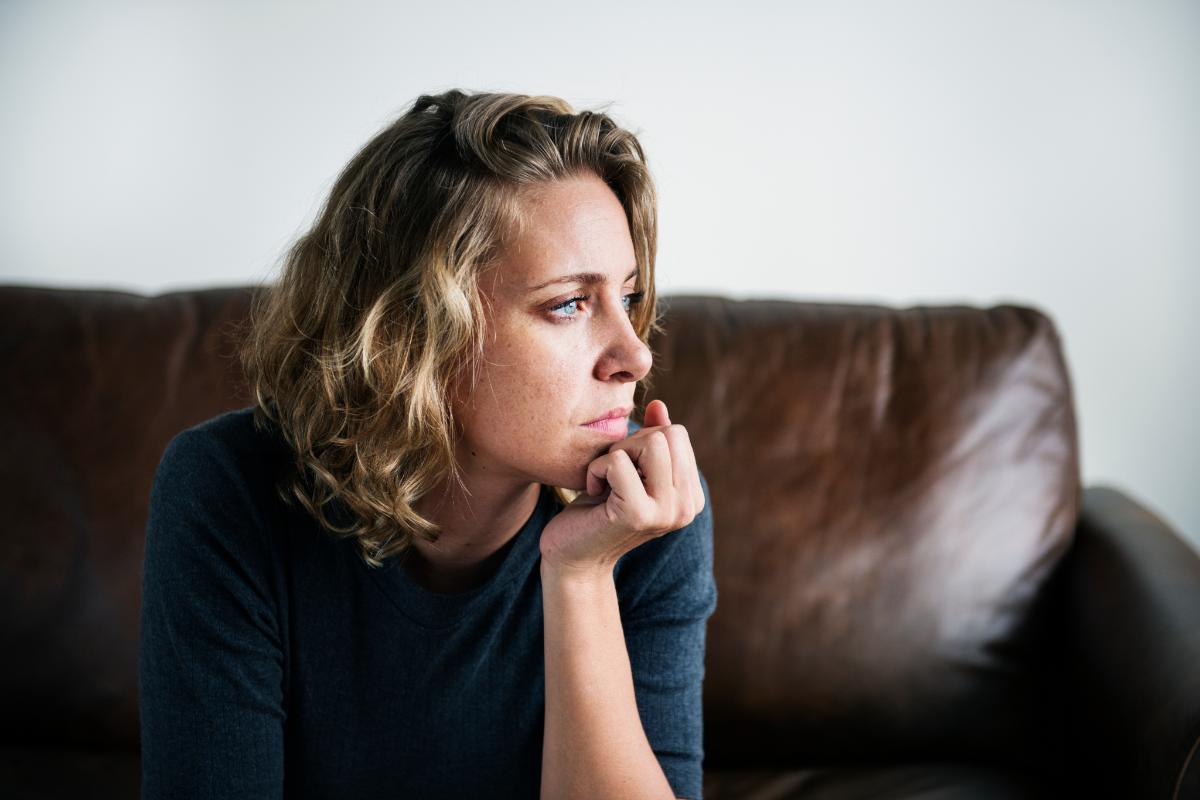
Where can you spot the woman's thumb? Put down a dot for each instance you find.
(656, 414)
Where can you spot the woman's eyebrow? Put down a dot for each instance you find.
(586, 278)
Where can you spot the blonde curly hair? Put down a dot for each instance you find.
(351, 354)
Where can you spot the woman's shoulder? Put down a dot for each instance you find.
(235, 431)
(215, 512)
(233, 439)
(212, 560)
(226, 458)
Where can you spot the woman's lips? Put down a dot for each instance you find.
(613, 427)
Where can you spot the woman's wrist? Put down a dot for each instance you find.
(576, 575)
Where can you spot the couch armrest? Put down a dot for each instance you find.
(1133, 627)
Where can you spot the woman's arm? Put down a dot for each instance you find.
(594, 744)
(211, 664)
(645, 492)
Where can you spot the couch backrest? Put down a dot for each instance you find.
(95, 385)
(891, 488)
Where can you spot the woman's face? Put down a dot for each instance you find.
(561, 350)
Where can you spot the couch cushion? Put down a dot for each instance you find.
(918, 782)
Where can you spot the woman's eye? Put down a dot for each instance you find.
(568, 309)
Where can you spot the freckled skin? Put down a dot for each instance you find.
(545, 373)
(543, 378)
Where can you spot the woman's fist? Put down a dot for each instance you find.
(644, 486)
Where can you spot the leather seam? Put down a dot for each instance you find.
(1187, 762)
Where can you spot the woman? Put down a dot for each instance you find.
(436, 559)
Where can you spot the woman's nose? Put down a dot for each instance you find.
(625, 356)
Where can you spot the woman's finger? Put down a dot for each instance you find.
(656, 414)
(597, 474)
(683, 462)
(603, 473)
(637, 445)
(627, 488)
(654, 461)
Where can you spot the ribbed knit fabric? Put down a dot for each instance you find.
(275, 663)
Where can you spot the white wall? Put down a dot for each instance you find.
(923, 152)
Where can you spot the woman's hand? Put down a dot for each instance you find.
(644, 486)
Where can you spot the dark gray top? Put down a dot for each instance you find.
(275, 663)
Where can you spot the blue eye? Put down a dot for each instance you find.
(572, 304)
(568, 308)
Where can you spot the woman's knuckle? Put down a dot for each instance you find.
(645, 518)
(661, 518)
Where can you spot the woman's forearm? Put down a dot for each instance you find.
(594, 745)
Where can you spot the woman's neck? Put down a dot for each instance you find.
(475, 528)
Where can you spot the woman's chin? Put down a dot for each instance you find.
(577, 484)
(573, 478)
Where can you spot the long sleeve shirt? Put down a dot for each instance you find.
(276, 663)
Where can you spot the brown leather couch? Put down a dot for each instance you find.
(916, 596)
